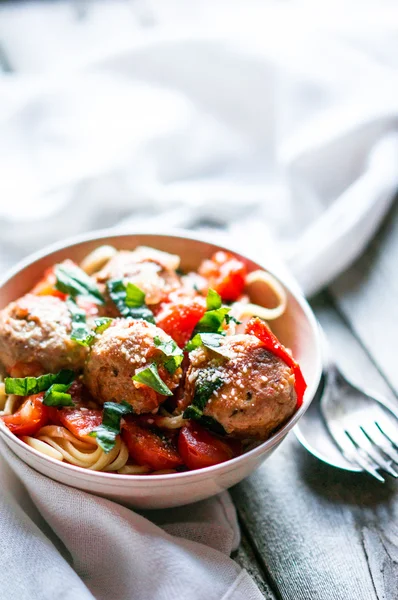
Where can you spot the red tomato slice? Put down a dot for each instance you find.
(80, 421)
(31, 417)
(225, 274)
(258, 328)
(148, 449)
(199, 448)
(179, 319)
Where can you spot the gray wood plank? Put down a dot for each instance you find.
(323, 533)
(367, 295)
(247, 560)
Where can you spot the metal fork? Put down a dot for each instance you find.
(364, 426)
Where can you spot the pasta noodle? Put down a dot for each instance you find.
(56, 441)
(97, 259)
(11, 404)
(248, 309)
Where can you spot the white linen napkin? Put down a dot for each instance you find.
(277, 124)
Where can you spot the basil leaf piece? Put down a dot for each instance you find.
(212, 321)
(26, 386)
(213, 300)
(192, 412)
(207, 382)
(173, 353)
(210, 340)
(81, 332)
(134, 296)
(150, 377)
(56, 395)
(109, 429)
(229, 318)
(101, 324)
(72, 280)
(126, 299)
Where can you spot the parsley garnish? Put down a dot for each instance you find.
(74, 281)
(110, 427)
(129, 300)
(149, 376)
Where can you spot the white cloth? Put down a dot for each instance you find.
(274, 121)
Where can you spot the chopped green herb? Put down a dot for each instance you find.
(209, 422)
(206, 383)
(26, 386)
(134, 296)
(150, 377)
(212, 321)
(173, 353)
(129, 300)
(229, 318)
(213, 300)
(81, 332)
(210, 340)
(109, 429)
(101, 324)
(56, 395)
(74, 281)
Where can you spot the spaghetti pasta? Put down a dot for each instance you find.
(97, 259)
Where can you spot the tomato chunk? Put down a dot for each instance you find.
(200, 449)
(226, 274)
(179, 319)
(148, 449)
(31, 416)
(259, 329)
(80, 421)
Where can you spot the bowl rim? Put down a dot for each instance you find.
(206, 472)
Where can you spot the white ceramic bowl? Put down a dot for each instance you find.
(297, 329)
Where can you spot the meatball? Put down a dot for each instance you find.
(146, 271)
(37, 329)
(257, 391)
(116, 356)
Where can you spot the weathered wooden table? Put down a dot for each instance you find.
(311, 531)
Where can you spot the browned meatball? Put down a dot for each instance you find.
(37, 329)
(257, 394)
(115, 358)
(155, 279)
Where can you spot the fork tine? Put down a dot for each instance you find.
(386, 434)
(356, 455)
(375, 435)
(361, 440)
